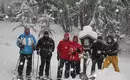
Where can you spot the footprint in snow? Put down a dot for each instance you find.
(7, 44)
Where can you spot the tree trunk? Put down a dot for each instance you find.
(2, 7)
(81, 20)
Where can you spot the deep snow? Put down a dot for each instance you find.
(9, 52)
(108, 74)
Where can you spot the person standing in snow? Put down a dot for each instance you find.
(63, 56)
(44, 48)
(74, 57)
(112, 49)
(97, 54)
(26, 42)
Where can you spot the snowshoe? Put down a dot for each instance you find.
(28, 78)
(92, 78)
(47, 78)
(20, 78)
(40, 78)
(58, 78)
(83, 76)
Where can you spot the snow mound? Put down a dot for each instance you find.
(108, 74)
(87, 28)
(87, 31)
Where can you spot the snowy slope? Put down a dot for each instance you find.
(108, 74)
(9, 52)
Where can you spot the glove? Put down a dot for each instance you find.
(99, 52)
(73, 53)
(38, 52)
(58, 56)
(49, 54)
(50, 50)
(21, 46)
(34, 47)
(78, 50)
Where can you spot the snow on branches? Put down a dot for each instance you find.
(44, 24)
(26, 15)
(105, 17)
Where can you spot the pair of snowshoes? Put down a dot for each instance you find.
(43, 78)
(84, 77)
(21, 78)
(28, 78)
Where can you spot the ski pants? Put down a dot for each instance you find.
(99, 62)
(44, 61)
(23, 57)
(60, 68)
(75, 66)
(113, 60)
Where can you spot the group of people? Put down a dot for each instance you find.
(104, 53)
(68, 54)
(27, 44)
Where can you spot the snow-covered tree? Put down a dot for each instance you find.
(26, 15)
(103, 15)
(44, 24)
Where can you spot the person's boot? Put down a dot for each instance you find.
(73, 74)
(19, 77)
(59, 75)
(58, 78)
(41, 77)
(28, 77)
(83, 76)
(46, 77)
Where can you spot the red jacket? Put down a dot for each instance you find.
(75, 57)
(63, 49)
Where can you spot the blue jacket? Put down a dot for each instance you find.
(28, 41)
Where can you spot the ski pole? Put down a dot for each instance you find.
(14, 74)
(88, 61)
(58, 69)
(37, 67)
(50, 72)
(33, 65)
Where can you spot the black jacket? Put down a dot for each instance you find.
(112, 49)
(46, 46)
(97, 49)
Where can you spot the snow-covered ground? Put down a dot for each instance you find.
(9, 52)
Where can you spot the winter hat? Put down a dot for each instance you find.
(66, 35)
(99, 37)
(46, 33)
(75, 37)
(26, 28)
(110, 36)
